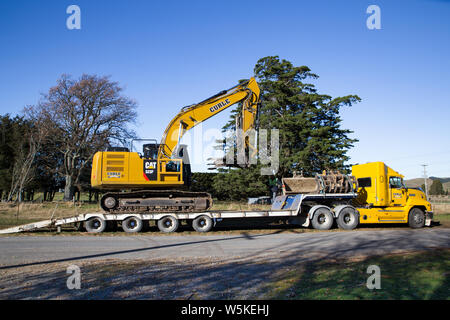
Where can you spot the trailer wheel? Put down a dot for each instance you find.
(95, 225)
(322, 219)
(416, 218)
(202, 224)
(168, 224)
(132, 224)
(348, 219)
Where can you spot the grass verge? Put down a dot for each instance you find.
(423, 275)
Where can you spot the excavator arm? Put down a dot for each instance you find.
(246, 92)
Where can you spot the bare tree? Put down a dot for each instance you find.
(83, 116)
(22, 173)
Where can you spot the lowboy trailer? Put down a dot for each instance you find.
(319, 210)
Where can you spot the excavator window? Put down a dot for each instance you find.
(150, 150)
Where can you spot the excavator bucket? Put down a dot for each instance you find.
(300, 185)
(332, 182)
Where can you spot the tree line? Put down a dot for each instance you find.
(436, 188)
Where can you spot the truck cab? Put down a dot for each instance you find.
(384, 198)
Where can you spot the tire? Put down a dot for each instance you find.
(322, 219)
(416, 218)
(348, 219)
(95, 225)
(202, 224)
(168, 224)
(132, 224)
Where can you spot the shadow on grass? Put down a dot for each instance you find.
(423, 275)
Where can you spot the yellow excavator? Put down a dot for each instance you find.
(153, 179)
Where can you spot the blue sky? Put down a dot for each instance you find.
(171, 54)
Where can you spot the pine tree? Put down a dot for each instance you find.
(311, 137)
(436, 187)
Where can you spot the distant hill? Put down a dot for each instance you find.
(443, 180)
(414, 183)
(418, 182)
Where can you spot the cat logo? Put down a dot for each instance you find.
(150, 164)
(150, 170)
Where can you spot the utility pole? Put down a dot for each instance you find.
(425, 178)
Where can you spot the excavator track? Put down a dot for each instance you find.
(156, 201)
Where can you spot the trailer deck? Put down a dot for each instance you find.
(288, 206)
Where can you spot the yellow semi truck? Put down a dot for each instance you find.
(384, 198)
(374, 193)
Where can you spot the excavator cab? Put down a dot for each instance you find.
(151, 153)
(150, 150)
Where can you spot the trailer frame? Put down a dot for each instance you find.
(291, 206)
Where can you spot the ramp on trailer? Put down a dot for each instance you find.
(45, 224)
(28, 227)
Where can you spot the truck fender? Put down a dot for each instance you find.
(337, 210)
(313, 210)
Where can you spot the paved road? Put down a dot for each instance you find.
(32, 250)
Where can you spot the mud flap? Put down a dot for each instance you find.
(428, 218)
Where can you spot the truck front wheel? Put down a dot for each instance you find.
(322, 219)
(416, 218)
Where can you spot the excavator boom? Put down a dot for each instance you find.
(246, 92)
